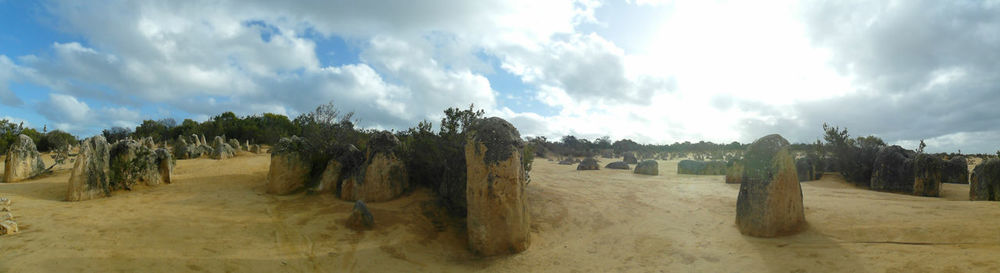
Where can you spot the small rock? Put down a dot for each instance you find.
(361, 218)
(620, 165)
(647, 167)
(588, 164)
(8, 227)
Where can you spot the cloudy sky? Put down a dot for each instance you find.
(652, 71)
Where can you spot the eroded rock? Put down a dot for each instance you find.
(619, 165)
(647, 167)
(985, 184)
(89, 178)
(498, 221)
(384, 177)
(23, 160)
(770, 199)
(588, 164)
(290, 166)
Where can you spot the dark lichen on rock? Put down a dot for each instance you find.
(499, 137)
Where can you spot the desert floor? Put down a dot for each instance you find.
(215, 217)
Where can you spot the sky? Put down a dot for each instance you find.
(652, 71)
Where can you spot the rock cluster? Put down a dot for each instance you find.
(588, 164)
(7, 223)
(770, 199)
(647, 167)
(808, 169)
(498, 221)
(620, 165)
(985, 185)
(23, 160)
(701, 167)
(101, 168)
(382, 176)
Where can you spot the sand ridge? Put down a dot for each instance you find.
(215, 217)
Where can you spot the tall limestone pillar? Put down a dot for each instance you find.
(498, 221)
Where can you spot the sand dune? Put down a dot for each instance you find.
(215, 217)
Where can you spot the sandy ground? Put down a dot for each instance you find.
(215, 217)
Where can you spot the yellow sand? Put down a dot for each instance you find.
(215, 217)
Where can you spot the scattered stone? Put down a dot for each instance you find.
(256, 149)
(770, 199)
(927, 178)
(89, 178)
(734, 173)
(629, 158)
(23, 160)
(647, 167)
(701, 167)
(384, 177)
(498, 221)
(985, 185)
(893, 170)
(619, 165)
(588, 164)
(290, 165)
(956, 170)
(361, 218)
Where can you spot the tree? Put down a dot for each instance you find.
(116, 133)
(149, 128)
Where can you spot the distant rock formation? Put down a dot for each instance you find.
(629, 157)
(647, 167)
(808, 170)
(221, 150)
(498, 221)
(701, 167)
(770, 199)
(588, 164)
(235, 145)
(101, 169)
(956, 171)
(619, 165)
(23, 160)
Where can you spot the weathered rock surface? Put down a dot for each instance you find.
(361, 218)
(927, 175)
(956, 170)
(132, 163)
(164, 165)
(336, 170)
(221, 150)
(89, 178)
(770, 199)
(647, 167)
(892, 170)
(629, 158)
(23, 160)
(985, 184)
(181, 150)
(701, 167)
(620, 165)
(235, 145)
(498, 221)
(588, 164)
(384, 177)
(255, 149)
(290, 166)
(8, 227)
